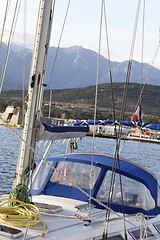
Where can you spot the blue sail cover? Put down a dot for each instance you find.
(112, 122)
(137, 183)
(92, 122)
(153, 126)
(103, 122)
(127, 123)
(54, 132)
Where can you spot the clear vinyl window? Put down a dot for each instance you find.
(73, 173)
(41, 175)
(135, 194)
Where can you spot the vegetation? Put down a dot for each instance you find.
(79, 103)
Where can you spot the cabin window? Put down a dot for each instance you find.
(41, 175)
(76, 174)
(135, 194)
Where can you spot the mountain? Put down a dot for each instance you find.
(74, 67)
(14, 72)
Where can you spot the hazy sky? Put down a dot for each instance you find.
(82, 26)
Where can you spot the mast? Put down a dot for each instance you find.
(35, 91)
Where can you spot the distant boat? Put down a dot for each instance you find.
(142, 131)
(144, 135)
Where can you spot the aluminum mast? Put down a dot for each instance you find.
(35, 90)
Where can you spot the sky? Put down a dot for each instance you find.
(83, 24)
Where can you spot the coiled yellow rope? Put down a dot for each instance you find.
(17, 213)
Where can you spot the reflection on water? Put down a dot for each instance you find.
(145, 154)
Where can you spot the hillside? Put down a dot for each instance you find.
(79, 103)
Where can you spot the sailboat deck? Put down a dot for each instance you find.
(71, 223)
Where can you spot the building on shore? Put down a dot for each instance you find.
(12, 116)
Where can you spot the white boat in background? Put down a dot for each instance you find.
(83, 196)
(144, 135)
(144, 132)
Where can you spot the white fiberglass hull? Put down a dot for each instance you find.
(67, 224)
(142, 138)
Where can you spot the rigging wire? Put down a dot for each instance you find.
(110, 194)
(141, 72)
(139, 102)
(4, 21)
(118, 134)
(127, 81)
(109, 67)
(125, 93)
(125, 98)
(142, 52)
(57, 50)
(95, 101)
(11, 35)
(148, 75)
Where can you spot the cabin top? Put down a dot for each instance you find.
(75, 175)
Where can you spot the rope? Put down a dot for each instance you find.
(21, 192)
(21, 215)
(143, 219)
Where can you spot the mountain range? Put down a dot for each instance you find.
(73, 67)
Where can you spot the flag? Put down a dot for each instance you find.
(137, 117)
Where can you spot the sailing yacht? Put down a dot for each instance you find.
(83, 196)
(142, 131)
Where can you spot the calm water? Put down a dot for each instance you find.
(146, 154)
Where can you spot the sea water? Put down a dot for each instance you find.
(145, 154)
